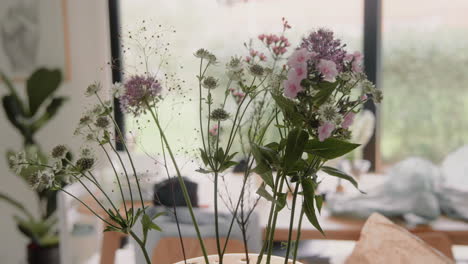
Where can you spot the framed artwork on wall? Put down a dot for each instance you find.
(33, 34)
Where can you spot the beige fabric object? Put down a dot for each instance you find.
(383, 242)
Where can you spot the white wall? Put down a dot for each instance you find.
(89, 53)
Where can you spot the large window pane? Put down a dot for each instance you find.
(222, 27)
(425, 78)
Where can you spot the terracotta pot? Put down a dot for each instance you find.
(236, 259)
(43, 255)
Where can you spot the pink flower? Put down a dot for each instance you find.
(299, 72)
(292, 87)
(299, 57)
(247, 59)
(261, 37)
(262, 57)
(214, 130)
(328, 69)
(325, 130)
(348, 120)
(253, 53)
(363, 97)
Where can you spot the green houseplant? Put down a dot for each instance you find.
(28, 117)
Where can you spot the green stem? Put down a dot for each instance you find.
(119, 132)
(270, 219)
(181, 182)
(291, 222)
(275, 218)
(142, 247)
(298, 238)
(89, 208)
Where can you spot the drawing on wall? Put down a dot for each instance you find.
(33, 34)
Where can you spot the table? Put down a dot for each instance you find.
(335, 228)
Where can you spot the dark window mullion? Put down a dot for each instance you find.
(114, 29)
(372, 64)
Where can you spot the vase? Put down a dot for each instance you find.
(43, 255)
(239, 258)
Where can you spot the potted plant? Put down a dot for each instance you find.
(312, 93)
(28, 117)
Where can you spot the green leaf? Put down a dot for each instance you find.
(158, 215)
(265, 172)
(204, 157)
(111, 229)
(49, 113)
(40, 86)
(296, 142)
(280, 201)
(288, 107)
(264, 193)
(319, 202)
(204, 171)
(263, 167)
(12, 90)
(147, 225)
(16, 204)
(308, 187)
(325, 91)
(330, 148)
(226, 165)
(337, 173)
(13, 112)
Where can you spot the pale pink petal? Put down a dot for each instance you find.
(348, 120)
(299, 73)
(325, 130)
(291, 88)
(328, 69)
(299, 57)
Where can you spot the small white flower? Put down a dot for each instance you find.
(329, 113)
(57, 166)
(47, 178)
(93, 89)
(18, 162)
(367, 86)
(235, 64)
(118, 89)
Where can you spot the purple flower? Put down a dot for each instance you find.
(326, 47)
(139, 91)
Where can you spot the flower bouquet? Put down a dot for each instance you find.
(304, 101)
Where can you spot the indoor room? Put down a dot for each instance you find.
(234, 131)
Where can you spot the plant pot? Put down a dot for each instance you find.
(43, 255)
(237, 259)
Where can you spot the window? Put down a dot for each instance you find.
(425, 80)
(222, 27)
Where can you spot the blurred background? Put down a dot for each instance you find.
(417, 54)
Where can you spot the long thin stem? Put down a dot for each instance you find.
(142, 247)
(273, 224)
(174, 207)
(181, 182)
(89, 208)
(291, 222)
(114, 169)
(298, 238)
(119, 132)
(270, 220)
(118, 180)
